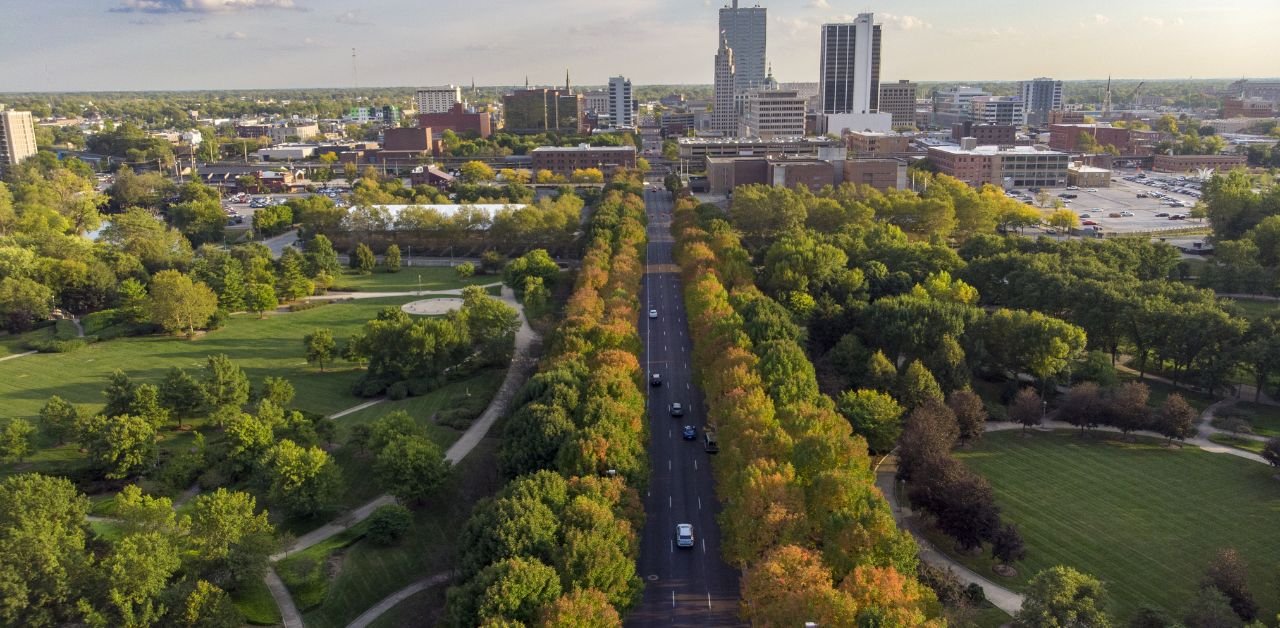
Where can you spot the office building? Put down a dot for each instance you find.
(1039, 97)
(596, 102)
(17, 138)
(1266, 90)
(877, 144)
(437, 99)
(539, 110)
(724, 117)
(985, 134)
(726, 173)
(1000, 110)
(899, 100)
(1193, 163)
(951, 105)
(849, 72)
(1247, 108)
(459, 120)
(1005, 166)
(743, 31)
(695, 150)
(564, 160)
(622, 104)
(768, 113)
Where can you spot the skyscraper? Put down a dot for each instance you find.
(1039, 97)
(17, 138)
(849, 79)
(724, 117)
(621, 104)
(744, 29)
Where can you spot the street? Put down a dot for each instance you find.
(683, 586)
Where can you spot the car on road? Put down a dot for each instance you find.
(1086, 215)
(1143, 195)
(675, 409)
(1087, 223)
(1162, 215)
(1126, 214)
(655, 379)
(689, 432)
(684, 535)
(1072, 187)
(1092, 190)
(653, 313)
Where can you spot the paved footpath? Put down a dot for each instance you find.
(522, 365)
(390, 601)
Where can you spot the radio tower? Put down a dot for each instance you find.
(355, 73)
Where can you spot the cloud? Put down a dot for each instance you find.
(200, 6)
(1153, 21)
(902, 22)
(818, 4)
(1100, 19)
(233, 36)
(352, 18)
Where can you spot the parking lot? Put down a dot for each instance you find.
(1109, 208)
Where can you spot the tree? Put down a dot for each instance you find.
(321, 257)
(970, 411)
(259, 298)
(42, 540)
(411, 468)
(1007, 546)
(1210, 609)
(118, 446)
(581, 608)
(391, 259)
(138, 570)
(277, 390)
(229, 538)
(319, 347)
(1062, 596)
(119, 393)
(490, 322)
(465, 270)
(1063, 220)
(15, 440)
(874, 415)
(177, 303)
(291, 280)
(881, 374)
(586, 175)
(388, 523)
(1026, 408)
(1229, 574)
(225, 384)
(476, 172)
(1271, 452)
(1082, 406)
(362, 259)
(181, 394)
(146, 405)
(208, 606)
(23, 302)
(916, 386)
(1127, 410)
(535, 263)
(304, 480)
(200, 220)
(58, 418)
(791, 584)
(1176, 418)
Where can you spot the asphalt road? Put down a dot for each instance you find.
(683, 586)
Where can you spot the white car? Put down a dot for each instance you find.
(1092, 190)
(653, 313)
(684, 535)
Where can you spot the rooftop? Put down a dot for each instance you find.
(991, 149)
(571, 149)
(757, 140)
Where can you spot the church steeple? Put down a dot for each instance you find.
(568, 87)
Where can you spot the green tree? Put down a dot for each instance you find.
(581, 608)
(916, 386)
(23, 302)
(42, 540)
(362, 259)
(200, 220)
(1210, 608)
(388, 523)
(476, 172)
(208, 606)
(277, 390)
(118, 446)
(181, 394)
(1062, 596)
(304, 480)
(177, 303)
(491, 322)
(224, 274)
(58, 418)
(146, 405)
(874, 415)
(1229, 574)
(321, 257)
(138, 570)
(259, 298)
(881, 373)
(228, 537)
(1063, 220)
(411, 468)
(15, 440)
(134, 307)
(465, 270)
(225, 384)
(391, 259)
(514, 590)
(249, 441)
(291, 281)
(119, 393)
(319, 347)
(535, 263)
(970, 411)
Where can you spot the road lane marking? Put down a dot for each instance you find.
(673, 599)
(699, 503)
(708, 600)
(704, 545)
(668, 465)
(668, 501)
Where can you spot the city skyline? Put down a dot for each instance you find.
(213, 44)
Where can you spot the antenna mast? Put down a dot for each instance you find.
(355, 73)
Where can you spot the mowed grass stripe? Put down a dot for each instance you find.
(1143, 517)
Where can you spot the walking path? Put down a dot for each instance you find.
(390, 601)
(289, 614)
(452, 292)
(522, 364)
(18, 355)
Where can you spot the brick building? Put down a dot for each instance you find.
(1191, 163)
(1005, 166)
(881, 174)
(1247, 108)
(458, 120)
(877, 143)
(986, 134)
(563, 161)
(1066, 137)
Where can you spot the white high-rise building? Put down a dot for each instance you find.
(849, 72)
(769, 113)
(622, 105)
(17, 138)
(1039, 97)
(744, 29)
(724, 117)
(437, 99)
(1003, 110)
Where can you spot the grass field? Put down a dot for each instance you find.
(270, 346)
(1256, 309)
(1263, 419)
(1239, 443)
(424, 608)
(255, 602)
(1143, 518)
(366, 573)
(410, 278)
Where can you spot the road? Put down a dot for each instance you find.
(683, 586)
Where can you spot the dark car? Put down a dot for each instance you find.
(675, 409)
(689, 432)
(655, 379)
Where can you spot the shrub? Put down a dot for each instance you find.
(388, 523)
(217, 320)
(398, 391)
(302, 306)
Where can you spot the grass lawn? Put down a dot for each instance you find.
(270, 346)
(1256, 309)
(409, 278)
(1143, 518)
(1264, 419)
(14, 344)
(424, 608)
(366, 573)
(254, 600)
(1239, 443)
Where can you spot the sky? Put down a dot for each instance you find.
(90, 45)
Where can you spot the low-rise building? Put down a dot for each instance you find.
(458, 119)
(1247, 108)
(1130, 143)
(986, 134)
(696, 150)
(564, 160)
(726, 173)
(293, 132)
(1087, 176)
(1005, 166)
(881, 174)
(287, 152)
(877, 144)
(1192, 163)
(1066, 117)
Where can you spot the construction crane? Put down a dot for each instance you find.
(1133, 96)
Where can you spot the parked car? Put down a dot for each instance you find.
(709, 444)
(1162, 215)
(1086, 215)
(1087, 223)
(1126, 214)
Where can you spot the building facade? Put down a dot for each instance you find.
(1247, 108)
(899, 100)
(564, 160)
(1266, 90)
(1004, 110)
(295, 132)
(986, 134)
(951, 105)
(1039, 97)
(881, 174)
(849, 67)
(540, 110)
(458, 120)
(17, 138)
(1192, 163)
(743, 30)
(596, 101)
(1008, 167)
(695, 150)
(877, 144)
(622, 104)
(772, 113)
(724, 118)
(1066, 137)
(437, 99)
